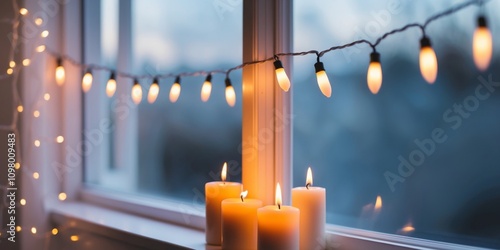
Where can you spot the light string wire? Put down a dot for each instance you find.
(319, 54)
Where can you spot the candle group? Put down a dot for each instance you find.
(238, 223)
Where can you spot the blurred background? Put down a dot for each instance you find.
(354, 141)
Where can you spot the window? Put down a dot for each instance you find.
(361, 145)
(163, 149)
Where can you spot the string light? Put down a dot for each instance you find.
(36, 113)
(322, 77)
(18, 228)
(37, 143)
(44, 33)
(46, 96)
(12, 64)
(10, 71)
(111, 85)
(136, 92)
(40, 48)
(281, 76)
(230, 94)
(374, 75)
(17, 166)
(175, 90)
(33, 230)
(87, 81)
(482, 44)
(23, 11)
(154, 89)
(38, 21)
(206, 89)
(36, 175)
(62, 196)
(74, 238)
(22, 202)
(428, 61)
(60, 139)
(55, 231)
(20, 108)
(60, 73)
(26, 62)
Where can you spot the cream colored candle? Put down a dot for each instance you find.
(278, 226)
(239, 223)
(215, 193)
(312, 204)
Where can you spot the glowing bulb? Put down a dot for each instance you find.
(278, 196)
(23, 11)
(44, 33)
(33, 230)
(283, 80)
(428, 61)
(20, 108)
(60, 139)
(136, 92)
(154, 89)
(18, 165)
(12, 64)
(482, 45)
(111, 85)
(62, 196)
(37, 143)
(74, 238)
(46, 96)
(60, 74)
(40, 48)
(36, 175)
(374, 75)
(206, 89)
(175, 90)
(38, 21)
(36, 113)
(26, 62)
(223, 173)
(230, 94)
(18, 228)
(10, 71)
(87, 81)
(55, 231)
(22, 202)
(322, 77)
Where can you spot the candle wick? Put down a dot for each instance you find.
(241, 196)
(308, 185)
(279, 206)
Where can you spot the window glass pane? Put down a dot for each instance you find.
(183, 145)
(429, 151)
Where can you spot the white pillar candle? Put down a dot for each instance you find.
(215, 193)
(312, 204)
(239, 223)
(278, 226)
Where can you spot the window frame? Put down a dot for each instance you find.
(261, 114)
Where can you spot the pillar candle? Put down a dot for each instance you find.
(278, 226)
(215, 193)
(312, 204)
(239, 223)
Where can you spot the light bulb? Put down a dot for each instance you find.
(111, 85)
(175, 91)
(154, 89)
(87, 81)
(23, 11)
(283, 80)
(136, 92)
(230, 94)
(60, 74)
(482, 45)
(322, 77)
(374, 75)
(206, 89)
(428, 61)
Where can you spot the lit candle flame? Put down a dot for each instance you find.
(309, 178)
(224, 172)
(278, 195)
(243, 195)
(378, 203)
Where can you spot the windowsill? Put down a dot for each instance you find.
(154, 234)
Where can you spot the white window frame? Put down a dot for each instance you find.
(266, 131)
